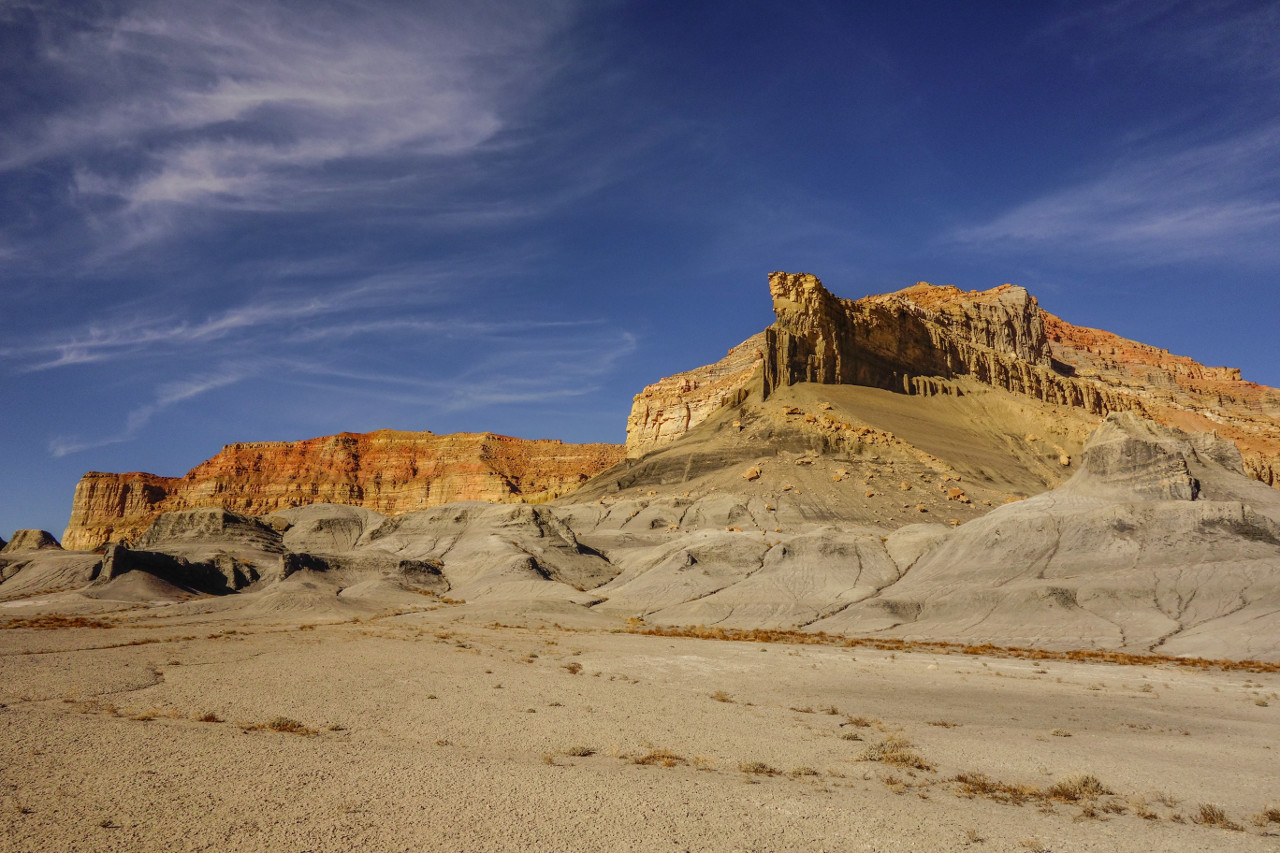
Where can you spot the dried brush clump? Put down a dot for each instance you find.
(1075, 788)
(291, 726)
(895, 750)
(757, 768)
(659, 758)
(1213, 815)
(55, 620)
(818, 638)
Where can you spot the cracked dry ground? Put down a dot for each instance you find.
(411, 732)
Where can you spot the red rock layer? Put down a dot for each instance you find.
(388, 471)
(1178, 391)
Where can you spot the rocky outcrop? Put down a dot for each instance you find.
(30, 540)
(670, 407)
(908, 340)
(918, 340)
(1178, 391)
(388, 471)
(217, 552)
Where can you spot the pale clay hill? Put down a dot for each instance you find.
(930, 464)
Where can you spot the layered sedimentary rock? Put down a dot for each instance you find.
(387, 471)
(1178, 391)
(918, 340)
(905, 341)
(670, 407)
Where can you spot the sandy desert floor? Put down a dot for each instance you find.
(422, 732)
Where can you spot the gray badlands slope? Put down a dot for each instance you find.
(1157, 542)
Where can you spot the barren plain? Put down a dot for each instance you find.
(429, 728)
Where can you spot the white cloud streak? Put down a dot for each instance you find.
(1213, 200)
(230, 104)
(167, 395)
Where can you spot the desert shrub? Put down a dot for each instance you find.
(1081, 787)
(660, 758)
(758, 768)
(289, 725)
(895, 750)
(1213, 815)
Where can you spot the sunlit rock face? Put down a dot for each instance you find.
(388, 471)
(915, 340)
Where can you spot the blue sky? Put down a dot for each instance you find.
(236, 221)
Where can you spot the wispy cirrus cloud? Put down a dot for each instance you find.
(167, 108)
(1222, 37)
(166, 396)
(1201, 182)
(1207, 201)
(125, 336)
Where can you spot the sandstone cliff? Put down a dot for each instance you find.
(670, 407)
(918, 340)
(387, 471)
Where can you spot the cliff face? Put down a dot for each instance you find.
(670, 407)
(387, 471)
(1178, 391)
(917, 339)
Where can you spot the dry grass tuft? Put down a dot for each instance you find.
(208, 717)
(895, 750)
(574, 667)
(578, 751)
(1084, 786)
(291, 726)
(1212, 815)
(1138, 805)
(819, 638)
(54, 620)
(660, 758)
(982, 785)
(1269, 815)
(758, 768)
(721, 696)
